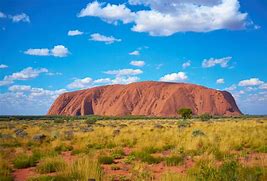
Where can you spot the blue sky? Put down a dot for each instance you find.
(50, 47)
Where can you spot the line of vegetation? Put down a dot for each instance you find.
(59, 119)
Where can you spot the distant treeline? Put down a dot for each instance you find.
(95, 117)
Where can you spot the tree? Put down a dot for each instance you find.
(186, 113)
(205, 117)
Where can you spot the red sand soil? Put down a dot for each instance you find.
(23, 174)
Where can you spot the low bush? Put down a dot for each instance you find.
(5, 171)
(51, 164)
(106, 160)
(146, 157)
(25, 161)
(198, 132)
(118, 153)
(205, 117)
(174, 160)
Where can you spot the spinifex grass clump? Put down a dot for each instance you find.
(25, 161)
(5, 171)
(175, 160)
(51, 164)
(146, 157)
(106, 160)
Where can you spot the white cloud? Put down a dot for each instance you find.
(231, 88)
(38, 52)
(57, 51)
(2, 15)
(223, 62)
(137, 63)
(16, 18)
(220, 81)
(124, 72)
(186, 64)
(19, 88)
(23, 99)
(81, 83)
(250, 82)
(20, 17)
(164, 18)
(103, 38)
(74, 33)
(263, 86)
(89, 82)
(25, 74)
(3, 66)
(109, 13)
(174, 77)
(136, 52)
(53, 73)
(124, 80)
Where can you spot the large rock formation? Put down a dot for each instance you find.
(145, 98)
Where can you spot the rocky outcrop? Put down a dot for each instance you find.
(145, 98)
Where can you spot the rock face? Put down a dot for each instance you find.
(145, 98)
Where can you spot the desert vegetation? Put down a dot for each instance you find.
(133, 148)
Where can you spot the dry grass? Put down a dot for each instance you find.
(216, 141)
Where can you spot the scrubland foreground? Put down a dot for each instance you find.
(164, 150)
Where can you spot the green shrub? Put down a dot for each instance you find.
(185, 113)
(151, 149)
(25, 161)
(146, 157)
(129, 159)
(63, 147)
(118, 153)
(205, 117)
(5, 171)
(50, 164)
(105, 160)
(174, 160)
(198, 132)
(252, 174)
(228, 171)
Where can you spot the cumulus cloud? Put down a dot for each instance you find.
(74, 33)
(81, 83)
(25, 74)
(89, 82)
(124, 72)
(38, 51)
(174, 77)
(109, 12)
(19, 88)
(3, 66)
(103, 38)
(164, 18)
(263, 86)
(186, 64)
(24, 99)
(136, 52)
(220, 81)
(231, 88)
(250, 82)
(57, 51)
(223, 62)
(137, 63)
